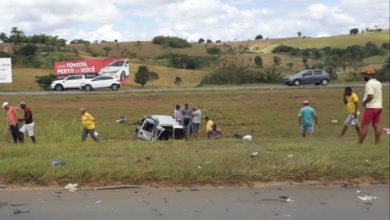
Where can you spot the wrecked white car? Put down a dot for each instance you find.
(159, 127)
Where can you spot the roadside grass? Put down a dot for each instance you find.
(119, 158)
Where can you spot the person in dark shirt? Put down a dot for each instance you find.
(28, 122)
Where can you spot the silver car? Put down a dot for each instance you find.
(313, 76)
(159, 127)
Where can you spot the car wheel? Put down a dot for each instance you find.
(297, 82)
(114, 87)
(88, 88)
(324, 82)
(122, 76)
(59, 87)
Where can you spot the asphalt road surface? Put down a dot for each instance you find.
(268, 203)
(191, 89)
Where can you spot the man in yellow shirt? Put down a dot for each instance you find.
(88, 125)
(209, 125)
(351, 100)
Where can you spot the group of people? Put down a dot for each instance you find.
(191, 119)
(13, 122)
(372, 103)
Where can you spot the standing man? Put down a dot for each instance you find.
(28, 123)
(186, 115)
(88, 125)
(351, 100)
(305, 119)
(196, 118)
(12, 116)
(372, 102)
(177, 113)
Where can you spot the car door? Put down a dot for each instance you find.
(307, 77)
(147, 130)
(72, 82)
(99, 82)
(317, 76)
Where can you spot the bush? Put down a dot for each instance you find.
(384, 73)
(258, 61)
(174, 42)
(271, 75)
(178, 80)
(45, 81)
(27, 50)
(232, 75)
(185, 62)
(213, 50)
(282, 49)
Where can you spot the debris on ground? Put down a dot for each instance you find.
(367, 198)
(17, 212)
(114, 187)
(207, 162)
(254, 154)
(334, 121)
(290, 156)
(2, 186)
(72, 187)
(58, 163)
(98, 202)
(121, 120)
(285, 199)
(248, 137)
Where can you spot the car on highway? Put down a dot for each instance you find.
(312, 76)
(118, 68)
(159, 127)
(101, 82)
(69, 82)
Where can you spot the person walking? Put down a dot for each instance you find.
(305, 119)
(12, 116)
(88, 125)
(196, 119)
(351, 100)
(186, 115)
(372, 103)
(29, 123)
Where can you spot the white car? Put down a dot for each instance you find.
(101, 82)
(118, 68)
(69, 82)
(159, 127)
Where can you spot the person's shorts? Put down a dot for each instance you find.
(351, 120)
(371, 115)
(307, 129)
(195, 127)
(29, 128)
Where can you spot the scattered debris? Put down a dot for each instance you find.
(98, 202)
(116, 187)
(179, 190)
(194, 190)
(285, 199)
(96, 134)
(207, 162)
(121, 120)
(2, 186)
(148, 158)
(199, 167)
(290, 156)
(58, 163)
(367, 198)
(138, 161)
(17, 212)
(145, 202)
(334, 121)
(323, 203)
(254, 154)
(72, 187)
(248, 137)
(358, 191)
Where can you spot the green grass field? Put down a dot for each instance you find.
(119, 158)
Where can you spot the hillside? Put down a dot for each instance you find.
(159, 57)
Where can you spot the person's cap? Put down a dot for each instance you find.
(369, 70)
(5, 104)
(306, 102)
(23, 103)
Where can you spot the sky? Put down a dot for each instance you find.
(226, 20)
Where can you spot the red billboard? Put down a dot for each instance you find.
(118, 67)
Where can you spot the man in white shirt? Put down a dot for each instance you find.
(196, 118)
(372, 102)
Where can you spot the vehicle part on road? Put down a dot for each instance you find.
(121, 120)
(254, 154)
(72, 187)
(58, 163)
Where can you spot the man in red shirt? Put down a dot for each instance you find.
(28, 123)
(12, 116)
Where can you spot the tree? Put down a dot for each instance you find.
(45, 81)
(276, 60)
(28, 50)
(385, 46)
(299, 34)
(209, 41)
(201, 41)
(3, 37)
(143, 75)
(258, 61)
(213, 50)
(16, 35)
(107, 50)
(354, 31)
(259, 37)
(178, 80)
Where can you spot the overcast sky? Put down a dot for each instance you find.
(129, 20)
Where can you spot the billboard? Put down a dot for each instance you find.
(118, 67)
(5, 70)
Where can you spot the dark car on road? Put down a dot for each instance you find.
(313, 76)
